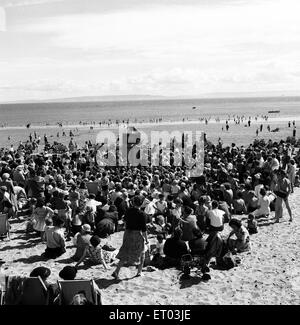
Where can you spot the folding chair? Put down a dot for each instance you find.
(2, 287)
(25, 291)
(34, 292)
(4, 226)
(69, 288)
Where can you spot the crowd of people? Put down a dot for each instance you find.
(69, 196)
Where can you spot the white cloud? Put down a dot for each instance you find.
(175, 50)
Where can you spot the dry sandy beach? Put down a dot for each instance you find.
(269, 274)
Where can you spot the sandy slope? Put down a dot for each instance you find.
(270, 274)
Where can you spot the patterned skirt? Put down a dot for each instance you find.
(133, 247)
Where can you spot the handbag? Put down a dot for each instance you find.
(281, 194)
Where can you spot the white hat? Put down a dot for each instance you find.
(86, 227)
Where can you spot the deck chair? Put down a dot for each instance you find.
(2, 288)
(25, 291)
(4, 226)
(69, 288)
(34, 292)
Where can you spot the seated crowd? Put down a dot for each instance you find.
(69, 197)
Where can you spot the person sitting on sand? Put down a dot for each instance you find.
(161, 205)
(158, 252)
(112, 214)
(5, 202)
(252, 225)
(40, 213)
(223, 206)
(56, 245)
(88, 217)
(174, 249)
(31, 219)
(82, 240)
(198, 244)
(176, 213)
(76, 222)
(201, 213)
(264, 202)
(253, 202)
(188, 224)
(239, 206)
(215, 218)
(242, 241)
(94, 252)
(158, 227)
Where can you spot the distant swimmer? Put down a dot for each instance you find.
(194, 107)
(28, 125)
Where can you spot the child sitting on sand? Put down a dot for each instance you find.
(94, 252)
(242, 241)
(89, 217)
(158, 251)
(239, 206)
(76, 222)
(56, 245)
(252, 225)
(297, 181)
(31, 220)
(41, 212)
(49, 225)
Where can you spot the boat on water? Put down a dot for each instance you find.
(273, 112)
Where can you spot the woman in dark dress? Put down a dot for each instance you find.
(134, 240)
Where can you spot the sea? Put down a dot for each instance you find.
(168, 110)
(183, 115)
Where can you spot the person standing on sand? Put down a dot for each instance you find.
(135, 238)
(291, 172)
(282, 190)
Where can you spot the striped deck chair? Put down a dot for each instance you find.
(69, 288)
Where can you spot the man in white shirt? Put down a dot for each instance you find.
(92, 203)
(274, 163)
(216, 217)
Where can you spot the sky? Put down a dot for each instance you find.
(67, 48)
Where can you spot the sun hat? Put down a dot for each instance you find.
(5, 176)
(41, 271)
(86, 227)
(68, 273)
